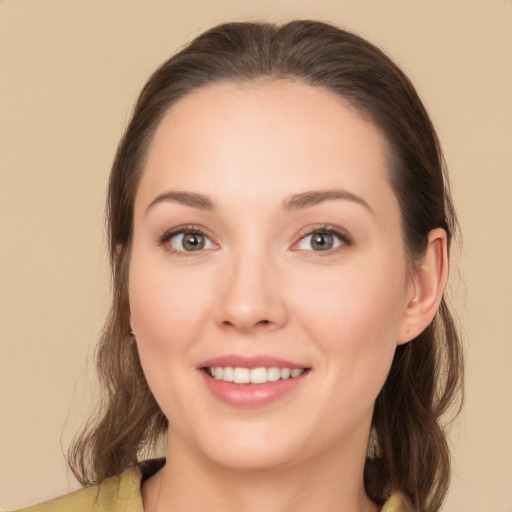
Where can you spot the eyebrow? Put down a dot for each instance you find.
(191, 199)
(314, 197)
(295, 202)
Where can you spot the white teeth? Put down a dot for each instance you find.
(258, 376)
(254, 376)
(273, 374)
(227, 374)
(241, 375)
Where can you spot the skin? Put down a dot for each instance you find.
(259, 287)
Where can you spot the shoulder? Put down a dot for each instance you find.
(116, 494)
(396, 503)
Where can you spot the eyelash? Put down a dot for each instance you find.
(341, 235)
(181, 230)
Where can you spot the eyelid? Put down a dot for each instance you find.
(179, 230)
(344, 237)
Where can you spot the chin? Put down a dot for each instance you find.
(250, 459)
(253, 451)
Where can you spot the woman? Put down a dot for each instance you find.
(279, 229)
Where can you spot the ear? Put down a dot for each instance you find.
(428, 280)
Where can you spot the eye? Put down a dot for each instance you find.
(322, 240)
(189, 241)
(186, 240)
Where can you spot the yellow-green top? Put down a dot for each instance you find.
(122, 494)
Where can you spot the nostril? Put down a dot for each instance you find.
(260, 323)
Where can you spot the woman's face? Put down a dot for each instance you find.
(267, 245)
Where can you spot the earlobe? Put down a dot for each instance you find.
(429, 278)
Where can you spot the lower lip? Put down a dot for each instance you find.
(252, 395)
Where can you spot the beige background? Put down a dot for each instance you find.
(70, 71)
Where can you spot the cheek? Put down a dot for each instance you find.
(167, 311)
(354, 317)
(354, 304)
(166, 305)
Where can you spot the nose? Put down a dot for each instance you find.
(251, 295)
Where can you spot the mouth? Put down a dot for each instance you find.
(259, 375)
(248, 382)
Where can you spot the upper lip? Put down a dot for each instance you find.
(237, 361)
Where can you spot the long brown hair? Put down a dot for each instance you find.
(408, 450)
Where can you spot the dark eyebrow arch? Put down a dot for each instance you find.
(295, 202)
(191, 199)
(314, 197)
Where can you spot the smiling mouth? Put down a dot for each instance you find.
(260, 375)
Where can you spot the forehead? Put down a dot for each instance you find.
(234, 139)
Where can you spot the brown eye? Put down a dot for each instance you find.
(190, 242)
(193, 241)
(322, 240)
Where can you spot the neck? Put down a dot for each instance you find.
(333, 481)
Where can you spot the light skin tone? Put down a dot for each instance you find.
(264, 224)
